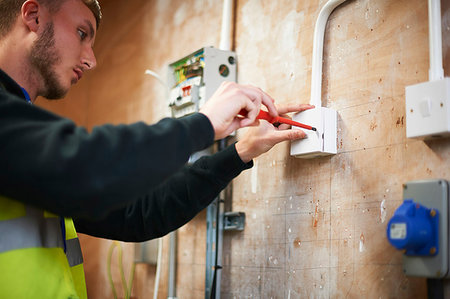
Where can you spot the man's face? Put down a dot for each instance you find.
(63, 50)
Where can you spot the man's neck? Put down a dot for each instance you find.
(14, 60)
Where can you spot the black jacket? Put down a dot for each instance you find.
(125, 182)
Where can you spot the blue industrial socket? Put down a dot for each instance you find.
(414, 229)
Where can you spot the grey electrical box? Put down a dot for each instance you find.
(432, 194)
(194, 78)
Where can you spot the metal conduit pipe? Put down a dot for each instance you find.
(225, 34)
(436, 71)
(319, 34)
(172, 292)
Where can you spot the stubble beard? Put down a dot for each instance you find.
(43, 58)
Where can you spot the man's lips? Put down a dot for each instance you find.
(78, 73)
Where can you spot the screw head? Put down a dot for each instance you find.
(433, 213)
(432, 250)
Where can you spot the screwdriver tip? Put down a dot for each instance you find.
(314, 129)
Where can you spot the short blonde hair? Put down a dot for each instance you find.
(9, 10)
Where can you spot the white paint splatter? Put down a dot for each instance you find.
(254, 216)
(254, 178)
(180, 14)
(383, 211)
(361, 242)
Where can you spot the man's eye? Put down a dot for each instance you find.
(82, 34)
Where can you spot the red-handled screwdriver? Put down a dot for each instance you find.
(266, 116)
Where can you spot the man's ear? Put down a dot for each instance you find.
(31, 14)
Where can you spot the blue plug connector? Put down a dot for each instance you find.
(414, 228)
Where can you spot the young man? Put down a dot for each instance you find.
(121, 182)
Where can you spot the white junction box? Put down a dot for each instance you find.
(428, 109)
(322, 142)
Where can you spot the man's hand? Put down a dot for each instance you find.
(260, 139)
(230, 98)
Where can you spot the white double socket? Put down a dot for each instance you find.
(428, 109)
(322, 142)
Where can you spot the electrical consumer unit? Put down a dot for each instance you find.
(428, 109)
(194, 78)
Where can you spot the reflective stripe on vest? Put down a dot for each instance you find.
(35, 230)
(29, 231)
(31, 239)
(73, 252)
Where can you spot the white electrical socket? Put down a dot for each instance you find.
(428, 109)
(318, 143)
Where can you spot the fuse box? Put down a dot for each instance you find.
(194, 78)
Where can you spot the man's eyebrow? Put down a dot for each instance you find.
(91, 28)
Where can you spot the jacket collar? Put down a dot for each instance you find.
(9, 85)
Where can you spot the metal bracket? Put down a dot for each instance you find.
(234, 221)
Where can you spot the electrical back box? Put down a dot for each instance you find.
(194, 78)
(428, 109)
(318, 143)
(432, 194)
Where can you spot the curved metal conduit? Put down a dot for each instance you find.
(319, 34)
(436, 71)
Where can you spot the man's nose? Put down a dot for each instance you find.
(89, 59)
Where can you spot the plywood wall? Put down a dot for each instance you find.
(315, 228)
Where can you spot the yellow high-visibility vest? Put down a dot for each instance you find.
(35, 260)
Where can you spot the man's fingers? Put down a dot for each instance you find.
(282, 127)
(285, 135)
(247, 123)
(252, 112)
(294, 108)
(259, 96)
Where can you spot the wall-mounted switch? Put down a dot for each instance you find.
(318, 143)
(428, 109)
(417, 223)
